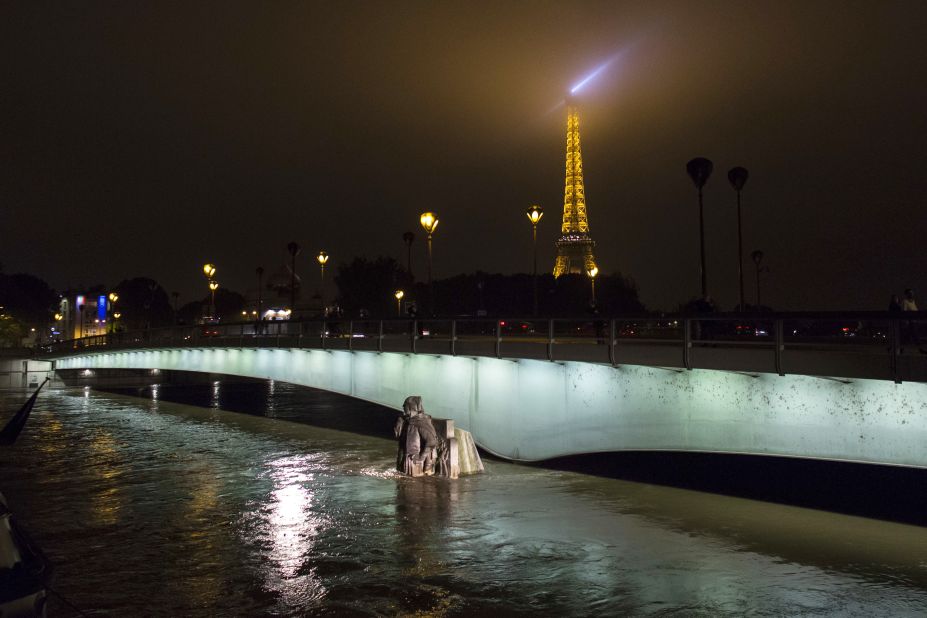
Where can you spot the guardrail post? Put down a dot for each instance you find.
(895, 334)
(687, 343)
(498, 338)
(241, 336)
(612, 358)
(351, 335)
(380, 337)
(322, 332)
(414, 336)
(453, 337)
(299, 336)
(780, 344)
(550, 339)
(277, 341)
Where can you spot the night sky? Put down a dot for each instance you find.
(148, 138)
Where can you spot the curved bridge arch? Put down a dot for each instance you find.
(533, 410)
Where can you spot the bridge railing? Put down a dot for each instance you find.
(871, 345)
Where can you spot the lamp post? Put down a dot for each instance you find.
(738, 178)
(429, 221)
(213, 286)
(408, 237)
(113, 297)
(259, 271)
(592, 272)
(322, 258)
(534, 215)
(399, 294)
(176, 297)
(699, 170)
(757, 257)
(209, 270)
(293, 249)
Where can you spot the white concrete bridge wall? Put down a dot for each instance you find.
(533, 410)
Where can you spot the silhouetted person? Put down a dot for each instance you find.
(910, 304)
(894, 304)
(703, 330)
(597, 323)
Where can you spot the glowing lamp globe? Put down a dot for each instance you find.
(429, 221)
(534, 214)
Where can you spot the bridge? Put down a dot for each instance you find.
(846, 387)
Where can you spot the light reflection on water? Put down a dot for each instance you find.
(288, 527)
(155, 508)
(107, 467)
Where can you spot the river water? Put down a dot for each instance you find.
(155, 508)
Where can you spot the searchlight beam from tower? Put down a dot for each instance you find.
(598, 70)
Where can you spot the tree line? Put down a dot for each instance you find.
(365, 287)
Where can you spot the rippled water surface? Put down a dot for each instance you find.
(154, 508)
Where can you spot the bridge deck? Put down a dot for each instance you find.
(874, 346)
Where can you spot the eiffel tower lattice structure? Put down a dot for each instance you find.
(575, 247)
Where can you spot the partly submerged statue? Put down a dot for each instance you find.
(429, 446)
(418, 440)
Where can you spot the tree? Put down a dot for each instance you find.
(191, 312)
(27, 298)
(370, 285)
(512, 295)
(12, 331)
(229, 305)
(143, 304)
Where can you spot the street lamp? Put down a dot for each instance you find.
(260, 300)
(80, 318)
(209, 270)
(738, 178)
(322, 259)
(399, 294)
(592, 272)
(213, 286)
(113, 297)
(534, 215)
(408, 237)
(429, 221)
(293, 248)
(757, 257)
(699, 170)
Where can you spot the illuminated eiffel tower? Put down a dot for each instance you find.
(575, 245)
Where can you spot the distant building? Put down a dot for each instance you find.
(87, 316)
